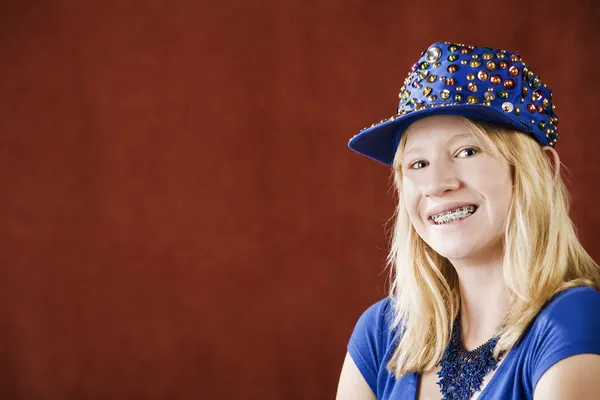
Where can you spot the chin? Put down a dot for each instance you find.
(460, 247)
(464, 249)
(454, 253)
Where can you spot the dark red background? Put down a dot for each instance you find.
(181, 215)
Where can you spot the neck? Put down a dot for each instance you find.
(483, 300)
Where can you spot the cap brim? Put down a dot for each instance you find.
(379, 142)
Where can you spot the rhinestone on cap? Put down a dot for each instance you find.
(433, 54)
(509, 83)
(507, 106)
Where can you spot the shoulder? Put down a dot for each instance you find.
(571, 311)
(371, 340)
(373, 327)
(566, 350)
(568, 325)
(375, 316)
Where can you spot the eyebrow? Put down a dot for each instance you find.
(453, 138)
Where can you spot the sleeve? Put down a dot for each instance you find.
(366, 345)
(571, 326)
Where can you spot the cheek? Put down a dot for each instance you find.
(411, 197)
(498, 191)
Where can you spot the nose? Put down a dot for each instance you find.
(440, 179)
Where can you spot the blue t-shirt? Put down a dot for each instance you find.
(568, 324)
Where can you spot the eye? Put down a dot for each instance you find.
(469, 151)
(416, 163)
(473, 150)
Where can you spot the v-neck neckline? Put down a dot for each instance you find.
(417, 377)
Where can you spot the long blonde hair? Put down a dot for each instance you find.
(542, 256)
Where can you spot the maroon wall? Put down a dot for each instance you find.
(181, 217)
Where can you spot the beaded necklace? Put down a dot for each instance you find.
(463, 371)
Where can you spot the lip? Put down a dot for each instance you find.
(448, 207)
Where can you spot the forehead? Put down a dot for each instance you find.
(435, 130)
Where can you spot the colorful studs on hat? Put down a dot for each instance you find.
(502, 80)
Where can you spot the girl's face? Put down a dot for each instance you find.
(444, 167)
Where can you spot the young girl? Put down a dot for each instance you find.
(492, 295)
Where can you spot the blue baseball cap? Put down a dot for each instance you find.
(479, 83)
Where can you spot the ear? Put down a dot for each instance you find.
(555, 158)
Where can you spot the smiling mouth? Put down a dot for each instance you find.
(448, 217)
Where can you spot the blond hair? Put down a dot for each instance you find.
(542, 256)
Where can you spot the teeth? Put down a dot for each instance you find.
(453, 215)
